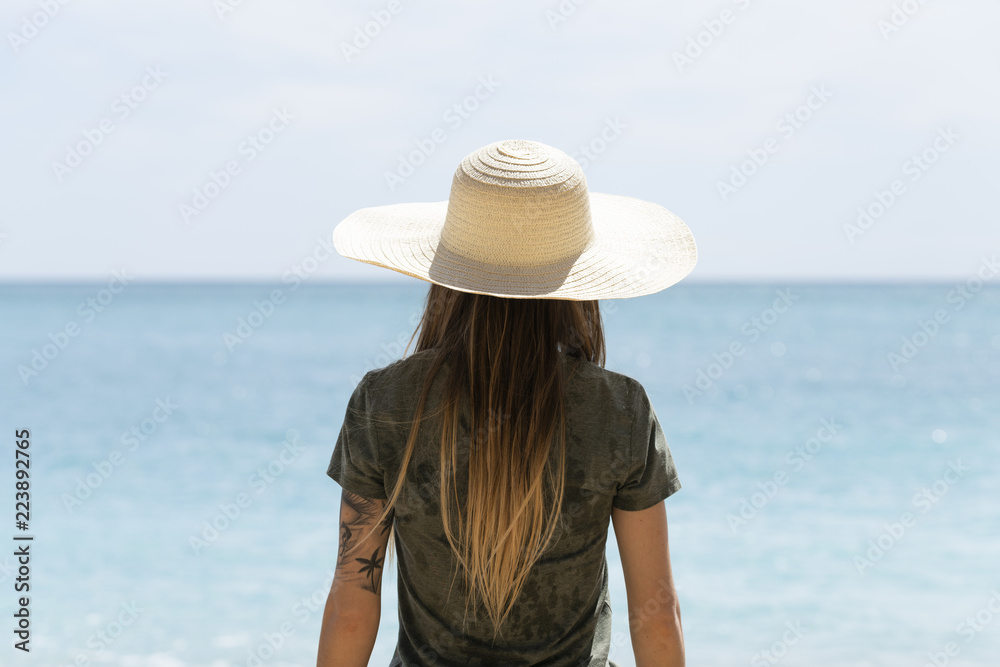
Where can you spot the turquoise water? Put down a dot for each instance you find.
(799, 456)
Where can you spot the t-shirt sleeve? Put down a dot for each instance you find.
(652, 476)
(354, 464)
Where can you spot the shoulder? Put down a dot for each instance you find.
(400, 377)
(591, 383)
(401, 369)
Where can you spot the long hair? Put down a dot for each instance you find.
(503, 356)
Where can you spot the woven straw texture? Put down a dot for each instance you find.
(521, 223)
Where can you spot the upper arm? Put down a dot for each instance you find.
(645, 557)
(639, 515)
(651, 475)
(361, 556)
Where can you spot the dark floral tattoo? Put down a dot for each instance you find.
(357, 516)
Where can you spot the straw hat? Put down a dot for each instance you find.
(521, 223)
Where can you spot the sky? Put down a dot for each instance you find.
(854, 140)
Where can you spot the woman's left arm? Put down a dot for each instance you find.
(354, 606)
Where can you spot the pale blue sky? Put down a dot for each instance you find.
(679, 129)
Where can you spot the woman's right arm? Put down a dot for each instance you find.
(654, 613)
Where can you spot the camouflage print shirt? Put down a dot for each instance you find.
(617, 456)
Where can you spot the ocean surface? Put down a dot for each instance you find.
(838, 448)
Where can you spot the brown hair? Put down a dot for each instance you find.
(503, 355)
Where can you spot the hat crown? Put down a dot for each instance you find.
(518, 203)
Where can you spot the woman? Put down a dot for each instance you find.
(496, 454)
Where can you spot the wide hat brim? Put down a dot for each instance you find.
(638, 248)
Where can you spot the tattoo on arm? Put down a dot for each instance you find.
(357, 516)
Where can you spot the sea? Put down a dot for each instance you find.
(838, 447)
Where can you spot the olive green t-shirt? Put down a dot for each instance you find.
(616, 456)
